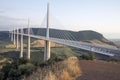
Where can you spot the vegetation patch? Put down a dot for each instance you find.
(87, 57)
(1, 58)
(16, 70)
(67, 69)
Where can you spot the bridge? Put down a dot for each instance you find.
(65, 39)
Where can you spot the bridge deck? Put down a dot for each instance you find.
(105, 50)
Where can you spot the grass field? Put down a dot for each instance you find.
(69, 69)
(36, 53)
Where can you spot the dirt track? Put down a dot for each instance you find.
(99, 70)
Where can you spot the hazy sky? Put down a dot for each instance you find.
(99, 15)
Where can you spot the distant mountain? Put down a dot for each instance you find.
(4, 36)
(85, 36)
(79, 36)
(115, 40)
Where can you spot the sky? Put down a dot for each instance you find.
(99, 15)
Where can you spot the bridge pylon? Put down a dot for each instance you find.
(14, 37)
(17, 43)
(28, 42)
(47, 42)
(21, 44)
(11, 35)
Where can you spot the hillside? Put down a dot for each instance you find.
(36, 70)
(116, 41)
(118, 44)
(41, 43)
(4, 36)
(86, 36)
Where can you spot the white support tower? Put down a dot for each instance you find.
(28, 44)
(47, 42)
(14, 37)
(17, 43)
(11, 35)
(21, 44)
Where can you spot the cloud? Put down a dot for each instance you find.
(2, 11)
(11, 18)
(7, 23)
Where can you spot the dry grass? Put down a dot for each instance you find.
(50, 76)
(41, 43)
(4, 61)
(10, 46)
(73, 66)
(65, 76)
(64, 70)
(74, 71)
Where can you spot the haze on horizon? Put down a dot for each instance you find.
(99, 15)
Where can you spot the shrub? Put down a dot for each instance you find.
(68, 69)
(23, 61)
(26, 69)
(14, 74)
(1, 58)
(55, 59)
(16, 70)
(87, 57)
(50, 76)
(52, 61)
(6, 70)
(1, 75)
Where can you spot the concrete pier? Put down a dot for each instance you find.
(14, 37)
(21, 44)
(11, 35)
(17, 43)
(47, 42)
(47, 51)
(28, 43)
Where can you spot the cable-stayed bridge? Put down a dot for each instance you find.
(65, 38)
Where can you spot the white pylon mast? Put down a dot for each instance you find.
(47, 42)
(11, 35)
(21, 44)
(17, 44)
(47, 32)
(28, 45)
(14, 40)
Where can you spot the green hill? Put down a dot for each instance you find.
(4, 36)
(86, 36)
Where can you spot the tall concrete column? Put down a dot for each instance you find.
(17, 43)
(47, 42)
(21, 44)
(11, 35)
(47, 50)
(14, 37)
(28, 44)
